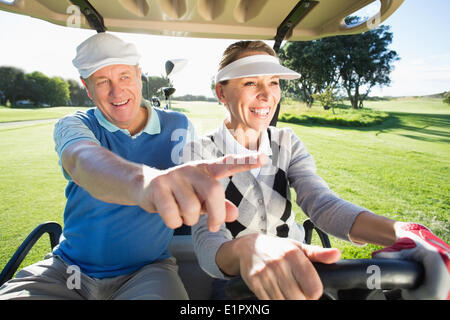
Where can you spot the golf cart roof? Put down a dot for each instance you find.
(228, 19)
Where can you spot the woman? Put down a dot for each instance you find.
(264, 245)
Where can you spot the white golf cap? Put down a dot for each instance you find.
(101, 50)
(254, 66)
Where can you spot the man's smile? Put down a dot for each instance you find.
(121, 103)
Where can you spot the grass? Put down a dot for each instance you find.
(205, 116)
(31, 187)
(21, 114)
(399, 169)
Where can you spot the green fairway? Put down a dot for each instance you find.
(21, 114)
(399, 169)
(31, 186)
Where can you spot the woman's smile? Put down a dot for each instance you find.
(261, 113)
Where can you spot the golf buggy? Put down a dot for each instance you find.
(276, 20)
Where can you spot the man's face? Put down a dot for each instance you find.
(117, 91)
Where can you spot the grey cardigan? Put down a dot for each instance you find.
(264, 201)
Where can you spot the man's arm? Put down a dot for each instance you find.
(102, 173)
(179, 194)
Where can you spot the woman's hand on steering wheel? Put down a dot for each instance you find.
(280, 268)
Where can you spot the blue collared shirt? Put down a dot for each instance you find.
(152, 127)
(107, 239)
(70, 129)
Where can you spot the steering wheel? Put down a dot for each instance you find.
(354, 279)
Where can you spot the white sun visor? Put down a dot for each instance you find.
(254, 66)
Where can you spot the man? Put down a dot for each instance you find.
(123, 197)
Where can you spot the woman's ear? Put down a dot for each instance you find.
(220, 92)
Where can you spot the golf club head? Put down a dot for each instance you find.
(174, 66)
(168, 91)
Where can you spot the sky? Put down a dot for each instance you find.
(421, 38)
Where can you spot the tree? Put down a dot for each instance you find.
(78, 95)
(37, 87)
(354, 62)
(363, 61)
(59, 93)
(327, 98)
(447, 97)
(41, 89)
(151, 85)
(12, 83)
(314, 61)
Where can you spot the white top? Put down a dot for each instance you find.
(233, 147)
(263, 200)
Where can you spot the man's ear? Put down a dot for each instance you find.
(139, 75)
(86, 87)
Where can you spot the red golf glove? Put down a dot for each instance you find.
(418, 243)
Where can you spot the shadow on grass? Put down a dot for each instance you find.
(435, 127)
(420, 123)
(390, 122)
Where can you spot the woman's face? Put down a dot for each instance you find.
(251, 101)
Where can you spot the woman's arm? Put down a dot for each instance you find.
(326, 210)
(372, 228)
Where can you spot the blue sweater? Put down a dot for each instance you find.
(104, 239)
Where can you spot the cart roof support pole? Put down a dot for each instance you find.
(293, 18)
(94, 18)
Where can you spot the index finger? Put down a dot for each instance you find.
(232, 164)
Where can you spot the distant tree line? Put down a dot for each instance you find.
(190, 97)
(151, 87)
(39, 89)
